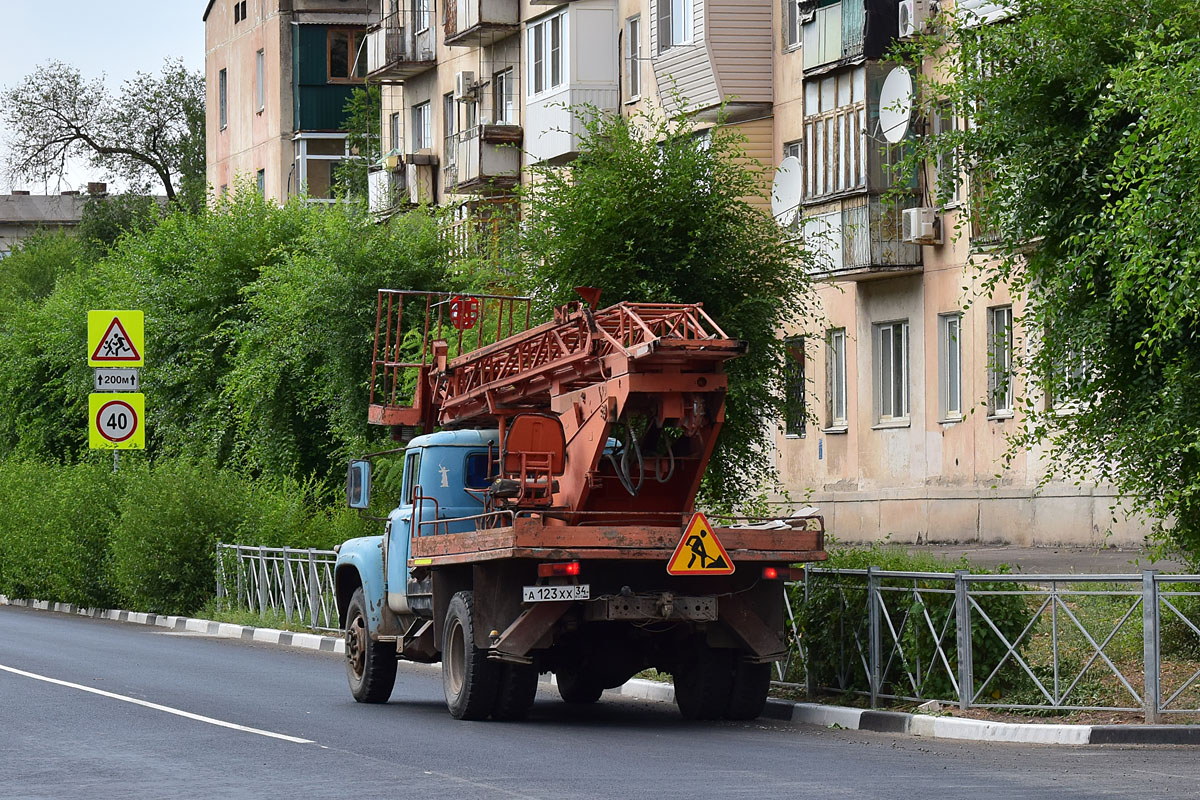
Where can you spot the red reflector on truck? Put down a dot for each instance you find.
(558, 570)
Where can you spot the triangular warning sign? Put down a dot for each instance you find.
(115, 345)
(699, 551)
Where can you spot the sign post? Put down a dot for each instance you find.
(116, 410)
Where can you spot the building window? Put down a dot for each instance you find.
(633, 57)
(503, 88)
(792, 17)
(791, 150)
(422, 135)
(344, 45)
(317, 158)
(822, 36)
(222, 98)
(674, 23)
(262, 183)
(891, 365)
(394, 131)
(835, 370)
(947, 181)
(421, 15)
(1000, 350)
(794, 419)
(239, 11)
(835, 124)
(260, 90)
(950, 366)
(547, 54)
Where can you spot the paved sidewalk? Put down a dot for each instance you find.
(891, 722)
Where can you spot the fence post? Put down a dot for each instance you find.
(220, 579)
(314, 591)
(962, 621)
(243, 593)
(1151, 696)
(289, 586)
(873, 633)
(263, 594)
(808, 688)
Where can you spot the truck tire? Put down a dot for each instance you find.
(516, 688)
(703, 687)
(578, 687)
(468, 678)
(370, 665)
(748, 697)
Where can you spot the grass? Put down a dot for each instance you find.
(241, 616)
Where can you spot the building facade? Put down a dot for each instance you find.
(278, 74)
(907, 374)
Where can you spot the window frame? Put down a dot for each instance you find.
(633, 58)
(422, 124)
(260, 74)
(504, 98)
(795, 417)
(892, 348)
(836, 380)
(1001, 395)
(666, 23)
(835, 144)
(792, 19)
(303, 159)
(223, 98)
(546, 59)
(394, 138)
(354, 42)
(950, 393)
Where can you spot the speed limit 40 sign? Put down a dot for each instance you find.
(117, 421)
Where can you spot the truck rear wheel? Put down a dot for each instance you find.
(578, 687)
(370, 665)
(751, 683)
(703, 687)
(515, 691)
(468, 678)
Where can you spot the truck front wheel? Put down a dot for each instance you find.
(370, 665)
(468, 678)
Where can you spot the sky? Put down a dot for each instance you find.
(113, 38)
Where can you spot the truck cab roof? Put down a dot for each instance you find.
(460, 438)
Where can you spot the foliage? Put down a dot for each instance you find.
(362, 111)
(151, 134)
(1084, 167)
(31, 270)
(651, 211)
(106, 218)
(833, 622)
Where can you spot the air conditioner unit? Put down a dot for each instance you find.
(914, 17)
(464, 84)
(921, 226)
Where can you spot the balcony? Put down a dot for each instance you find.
(401, 46)
(859, 238)
(387, 189)
(847, 32)
(487, 158)
(475, 23)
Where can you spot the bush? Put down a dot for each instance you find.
(834, 624)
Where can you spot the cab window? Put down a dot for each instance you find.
(477, 471)
(412, 468)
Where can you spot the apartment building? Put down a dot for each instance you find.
(908, 371)
(278, 74)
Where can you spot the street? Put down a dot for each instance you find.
(163, 730)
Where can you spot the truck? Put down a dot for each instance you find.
(546, 520)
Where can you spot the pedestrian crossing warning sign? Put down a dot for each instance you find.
(699, 551)
(115, 338)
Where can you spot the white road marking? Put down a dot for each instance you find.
(177, 712)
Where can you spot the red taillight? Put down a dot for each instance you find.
(770, 573)
(558, 570)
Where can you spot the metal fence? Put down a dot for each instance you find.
(1058, 642)
(282, 580)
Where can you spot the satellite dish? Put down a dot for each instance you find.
(895, 105)
(785, 191)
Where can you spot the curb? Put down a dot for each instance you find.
(855, 719)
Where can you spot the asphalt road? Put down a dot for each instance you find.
(58, 740)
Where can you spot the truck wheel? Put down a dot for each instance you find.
(370, 665)
(751, 682)
(515, 690)
(703, 687)
(467, 676)
(578, 687)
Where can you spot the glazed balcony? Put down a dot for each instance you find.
(401, 46)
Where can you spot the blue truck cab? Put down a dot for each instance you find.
(440, 470)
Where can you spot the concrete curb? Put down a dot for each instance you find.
(855, 719)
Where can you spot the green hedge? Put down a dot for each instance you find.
(145, 537)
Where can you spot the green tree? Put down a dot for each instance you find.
(362, 112)
(1084, 166)
(650, 211)
(149, 135)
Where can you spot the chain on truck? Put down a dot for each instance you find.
(546, 520)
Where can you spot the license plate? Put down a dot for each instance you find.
(542, 594)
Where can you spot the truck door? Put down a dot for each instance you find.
(400, 533)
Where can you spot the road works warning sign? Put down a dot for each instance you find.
(115, 338)
(699, 551)
(117, 421)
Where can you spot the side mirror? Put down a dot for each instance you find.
(358, 484)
